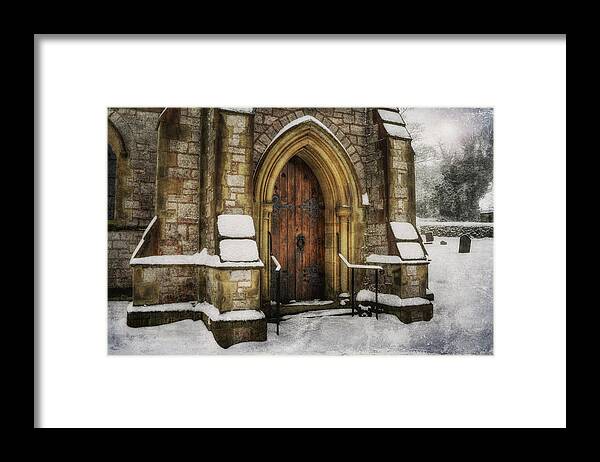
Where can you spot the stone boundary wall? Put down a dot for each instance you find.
(455, 230)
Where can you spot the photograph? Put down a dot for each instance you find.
(300, 230)
(297, 231)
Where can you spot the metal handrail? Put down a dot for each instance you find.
(278, 291)
(355, 266)
(352, 267)
(277, 265)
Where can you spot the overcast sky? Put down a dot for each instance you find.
(448, 125)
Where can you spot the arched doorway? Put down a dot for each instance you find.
(298, 232)
(343, 223)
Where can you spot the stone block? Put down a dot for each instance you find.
(235, 180)
(412, 281)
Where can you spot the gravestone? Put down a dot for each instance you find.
(428, 237)
(464, 245)
(443, 243)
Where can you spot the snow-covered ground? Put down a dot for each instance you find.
(462, 320)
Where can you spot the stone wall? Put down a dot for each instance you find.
(406, 281)
(233, 289)
(121, 245)
(154, 285)
(400, 172)
(177, 181)
(234, 174)
(357, 130)
(132, 135)
(349, 125)
(456, 230)
(208, 179)
(137, 128)
(411, 281)
(375, 179)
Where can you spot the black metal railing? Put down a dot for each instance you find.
(353, 267)
(276, 316)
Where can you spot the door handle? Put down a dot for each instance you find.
(300, 241)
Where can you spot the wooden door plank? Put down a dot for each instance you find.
(298, 211)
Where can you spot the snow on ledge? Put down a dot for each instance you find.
(390, 259)
(404, 230)
(465, 224)
(318, 313)
(390, 299)
(352, 265)
(299, 121)
(198, 259)
(397, 131)
(391, 116)
(210, 310)
(238, 250)
(310, 303)
(236, 226)
(168, 260)
(181, 306)
(410, 251)
(394, 260)
(236, 315)
(241, 110)
(143, 238)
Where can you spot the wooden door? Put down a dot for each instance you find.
(298, 233)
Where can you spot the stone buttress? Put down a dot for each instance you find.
(200, 250)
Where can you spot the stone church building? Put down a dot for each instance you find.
(201, 199)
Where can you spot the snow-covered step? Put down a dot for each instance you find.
(318, 313)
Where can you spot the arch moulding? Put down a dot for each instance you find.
(334, 170)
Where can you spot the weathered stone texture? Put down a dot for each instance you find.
(400, 170)
(233, 289)
(121, 245)
(208, 179)
(349, 125)
(177, 181)
(410, 281)
(136, 183)
(132, 136)
(234, 190)
(154, 285)
(452, 230)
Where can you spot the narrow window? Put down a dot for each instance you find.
(112, 182)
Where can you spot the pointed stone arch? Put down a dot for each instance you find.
(121, 189)
(316, 145)
(125, 132)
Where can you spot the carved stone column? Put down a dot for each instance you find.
(343, 213)
(263, 242)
